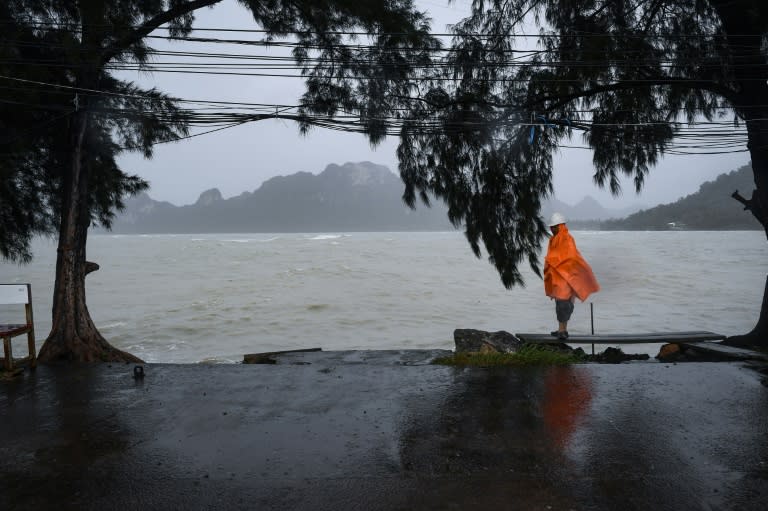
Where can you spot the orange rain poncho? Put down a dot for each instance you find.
(566, 273)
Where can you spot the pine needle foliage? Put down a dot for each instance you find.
(620, 76)
(78, 40)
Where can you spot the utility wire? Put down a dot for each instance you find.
(77, 26)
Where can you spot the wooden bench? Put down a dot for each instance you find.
(18, 294)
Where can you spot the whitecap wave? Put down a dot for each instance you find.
(327, 237)
(219, 360)
(116, 324)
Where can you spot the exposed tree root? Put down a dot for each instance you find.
(750, 340)
(79, 349)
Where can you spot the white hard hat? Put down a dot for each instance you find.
(557, 219)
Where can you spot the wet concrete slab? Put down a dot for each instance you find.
(384, 430)
(725, 352)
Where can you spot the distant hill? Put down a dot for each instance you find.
(351, 197)
(711, 208)
(586, 211)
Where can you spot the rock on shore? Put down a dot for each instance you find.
(471, 341)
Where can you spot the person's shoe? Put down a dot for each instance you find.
(562, 335)
(555, 333)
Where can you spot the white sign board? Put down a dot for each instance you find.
(13, 293)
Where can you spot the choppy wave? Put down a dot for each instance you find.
(326, 237)
(219, 300)
(114, 324)
(220, 360)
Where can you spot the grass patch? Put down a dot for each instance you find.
(528, 355)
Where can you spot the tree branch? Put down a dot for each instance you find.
(652, 14)
(150, 25)
(747, 203)
(631, 84)
(754, 206)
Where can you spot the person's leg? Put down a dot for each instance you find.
(563, 310)
(559, 315)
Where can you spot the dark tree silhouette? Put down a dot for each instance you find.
(623, 72)
(59, 144)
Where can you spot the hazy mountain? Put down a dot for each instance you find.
(586, 209)
(350, 197)
(711, 208)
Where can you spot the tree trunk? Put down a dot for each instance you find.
(73, 335)
(758, 206)
(748, 60)
(757, 337)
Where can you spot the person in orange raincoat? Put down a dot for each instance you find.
(566, 274)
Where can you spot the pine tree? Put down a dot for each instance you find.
(66, 117)
(625, 73)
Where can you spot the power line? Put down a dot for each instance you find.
(77, 26)
(282, 106)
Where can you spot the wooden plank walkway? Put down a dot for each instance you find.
(643, 338)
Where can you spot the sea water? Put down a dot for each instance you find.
(215, 297)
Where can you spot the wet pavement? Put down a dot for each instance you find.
(382, 430)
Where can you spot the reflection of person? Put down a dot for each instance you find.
(566, 274)
(567, 396)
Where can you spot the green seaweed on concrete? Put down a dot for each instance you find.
(528, 355)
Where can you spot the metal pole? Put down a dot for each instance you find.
(592, 322)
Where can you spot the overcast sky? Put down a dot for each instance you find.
(241, 158)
